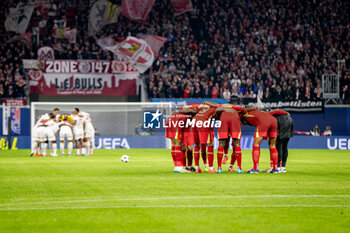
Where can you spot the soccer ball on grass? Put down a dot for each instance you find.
(125, 159)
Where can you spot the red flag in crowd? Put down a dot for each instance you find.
(136, 51)
(71, 35)
(58, 47)
(155, 42)
(24, 37)
(137, 9)
(42, 6)
(181, 6)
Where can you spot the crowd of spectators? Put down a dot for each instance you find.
(223, 49)
(244, 49)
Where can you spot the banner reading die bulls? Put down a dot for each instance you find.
(83, 77)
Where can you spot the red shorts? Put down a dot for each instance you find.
(188, 139)
(230, 126)
(174, 133)
(266, 129)
(203, 135)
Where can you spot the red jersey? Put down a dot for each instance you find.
(194, 106)
(240, 109)
(205, 114)
(278, 112)
(256, 117)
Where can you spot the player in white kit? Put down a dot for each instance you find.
(89, 134)
(78, 130)
(66, 131)
(39, 133)
(50, 135)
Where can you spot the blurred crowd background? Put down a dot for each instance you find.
(222, 49)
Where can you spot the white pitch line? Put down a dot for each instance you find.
(84, 166)
(173, 206)
(176, 198)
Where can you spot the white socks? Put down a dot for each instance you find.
(83, 150)
(87, 145)
(62, 147)
(70, 147)
(54, 149)
(43, 148)
(35, 147)
(91, 149)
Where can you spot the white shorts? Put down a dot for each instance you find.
(49, 134)
(78, 133)
(89, 132)
(66, 132)
(35, 135)
(40, 134)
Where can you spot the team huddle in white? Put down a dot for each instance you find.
(75, 127)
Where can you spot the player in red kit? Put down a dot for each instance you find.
(230, 128)
(191, 136)
(266, 128)
(204, 136)
(188, 140)
(174, 132)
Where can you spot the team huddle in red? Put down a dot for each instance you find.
(195, 124)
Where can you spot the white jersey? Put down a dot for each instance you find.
(44, 117)
(65, 130)
(52, 125)
(79, 122)
(87, 119)
(86, 116)
(64, 124)
(58, 116)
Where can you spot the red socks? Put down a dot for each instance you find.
(233, 157)
(211, 156)
(238, 153)
(178, 155)
(274, 158)
(173, 154)
(196, 155)
(256, 157)
(183, 158)
(219, 156)
(204, 153)
(189, 158)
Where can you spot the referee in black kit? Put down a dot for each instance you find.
(285, 132)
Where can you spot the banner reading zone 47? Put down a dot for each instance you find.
(83, 77)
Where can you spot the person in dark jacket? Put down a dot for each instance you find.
(284, 133)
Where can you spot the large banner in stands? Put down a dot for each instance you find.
(82, 77)
(159, 142)
(180, 102)
(287, 105)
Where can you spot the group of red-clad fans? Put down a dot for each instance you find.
(195, 125)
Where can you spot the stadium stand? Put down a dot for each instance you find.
(236, 49)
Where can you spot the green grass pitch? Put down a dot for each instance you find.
(101, 194)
